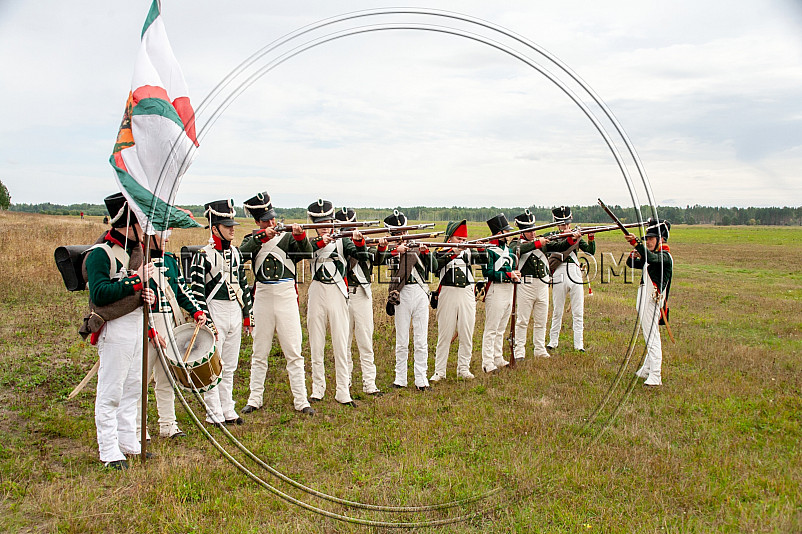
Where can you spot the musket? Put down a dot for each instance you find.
(408, 239)
(464, 244)
(607, 227)
(510, 234)
(281, 227)
(513, 319)
(624, 229)
(591, 230)
(368, 231)
(615, 219)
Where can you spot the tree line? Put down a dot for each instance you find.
(785, 216)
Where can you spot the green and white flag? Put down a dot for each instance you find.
(157, 141)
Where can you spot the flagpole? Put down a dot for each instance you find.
(145, 327)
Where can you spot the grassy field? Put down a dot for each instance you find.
(574, 442)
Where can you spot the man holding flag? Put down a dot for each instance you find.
(154, 147)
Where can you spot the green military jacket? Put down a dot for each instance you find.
(425, 264)
(659, 264)
(360, 272)
(501, 261)
(280, 263)
(560, 245)
(343, 250)
(104, 290)
(455, 267)
(206, 275)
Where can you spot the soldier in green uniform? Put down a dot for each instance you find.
(115, 275)
(533, 292)
(412, 270)
(500, 273)
(654, 257)
(221, 288)
(328, 300)
(274, 255)
(360, 308)
(456, 303)
(172, 296)
(567, 282)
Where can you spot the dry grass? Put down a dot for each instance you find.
(716, 449)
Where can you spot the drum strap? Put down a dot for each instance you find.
(169, 294)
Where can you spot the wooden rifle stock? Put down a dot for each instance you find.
(513, 319)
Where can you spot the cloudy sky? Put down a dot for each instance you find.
(709, 93)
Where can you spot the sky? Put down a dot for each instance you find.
(708, 93)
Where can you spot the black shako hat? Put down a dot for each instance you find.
(120, 215)
(320, 211)
(259, 207)
(658, 228)
(220, 212)
(396, 219)
(498, 224)
(345, 215)
(562, 215)
(525, 220)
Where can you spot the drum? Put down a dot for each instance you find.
(203, 367)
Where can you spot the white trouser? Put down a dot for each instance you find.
(533, 302)
(227, 318)
(119, 386)
(498, 306)
(456, 311)
(275, 311)
(360, 326)
(575, 290)
(649, 303)
(327, 302)
(413, 309)
(165, 397)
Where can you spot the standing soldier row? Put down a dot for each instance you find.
(339, 299)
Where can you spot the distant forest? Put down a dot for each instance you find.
(786, 216)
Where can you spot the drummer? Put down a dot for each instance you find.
(172, 295)
(219, 284)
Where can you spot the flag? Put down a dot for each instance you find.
(156, 142)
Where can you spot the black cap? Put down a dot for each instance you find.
(345, 215)
(396, 219)
(259, 207)
(220, 212)
(120, 215)
(499, 224)
(562, 215)
(525, 220)
(658, 228)
(320, 211)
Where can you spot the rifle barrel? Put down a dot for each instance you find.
(369, 231)
(432, 244)
(403, 238)
(615, 219)
(510, 234)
